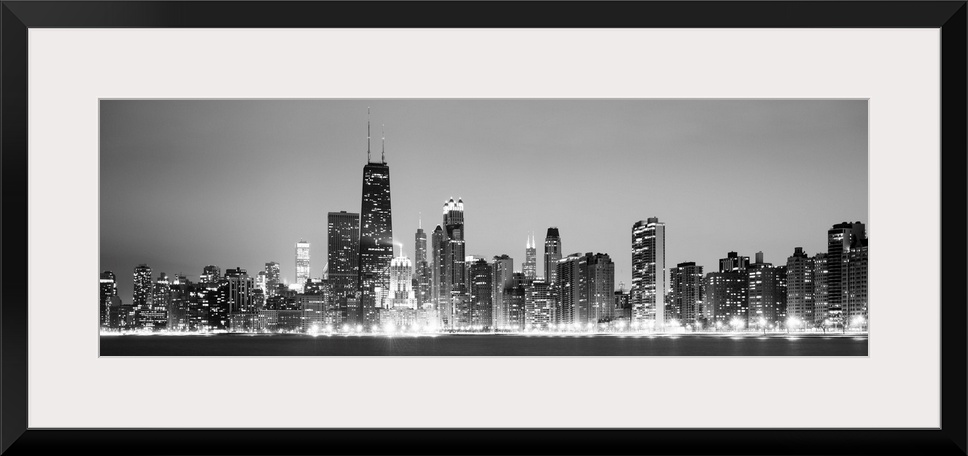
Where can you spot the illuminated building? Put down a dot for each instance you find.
(766, 294)
(725, 297)
(686, 283)
(453, 271)
(141, 303)
(210, 274)
(302, 262)
(109, 289)
(439, 288)
(313, 307)
(272, 278)
(623, 308)
(538, 305)
(515, 297)
(343, 255)
(422, 273)
(401, 284)
(552, 254)
(481, 280)
(648, 272)
(502, 270)
(847, 247)
(586, 288)
(530, 267)
(376, 234)
(800, 287)
(821, 302)
(734, 262)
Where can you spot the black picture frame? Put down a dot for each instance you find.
(18, 16)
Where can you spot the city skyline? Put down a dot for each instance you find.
(755, 170)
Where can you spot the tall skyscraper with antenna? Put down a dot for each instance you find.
(376, 233)
(530, 267)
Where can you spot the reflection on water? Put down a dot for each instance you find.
(485, 345)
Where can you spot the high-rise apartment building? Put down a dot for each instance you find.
(530, 266)
(800, 287)
(502, 273)
(686, 280)
(481, 287)
(422, 277)
(454, 292)
(846, 248)
(648, 272)
(108, 289)
(586, 289)
(766, 294)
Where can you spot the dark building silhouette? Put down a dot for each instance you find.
(586, 289)
(453, 271)
(552, 254)
(800, 287)
(847, 259)
(343, 256)
(376, 235)
(481, 280)
(685, 281)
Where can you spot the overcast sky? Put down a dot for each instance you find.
(187, 183)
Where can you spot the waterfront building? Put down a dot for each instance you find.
(343, 252)
(422, 275)
(552, 254)
(586, 289)
(376, 234)
(538, 305)
(454, 273)
(686, 281)
(725, 299)
(108, 289)
(766, 294)
(530, 266)
(821, 295)
(401, 284)
(439, 288)
(847, 247)
(502, 271)
(479, 315)
(515, 301)
(648, 272)
(800, 287)
(302, 263)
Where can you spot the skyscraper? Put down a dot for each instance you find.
(109, 289)
(586, 288)
(210, 274)
(800, 286)
(552, 253)
(648, 272)
(438, 287)
(272, 278)
(142, 287)
(502, 272)
(302, 262)
(376, 233)
(821, 297)
(481, 289)
(401, 284)
(422, 274)
(530, 267)
(846, 246)
(686, 283)
(454, 271)
(343, 253)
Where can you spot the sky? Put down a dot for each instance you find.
(236, 183)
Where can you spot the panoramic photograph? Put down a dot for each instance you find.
(510, 227)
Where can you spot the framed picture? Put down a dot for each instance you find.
(202, 138)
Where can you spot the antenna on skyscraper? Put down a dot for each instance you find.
(419, 220)
(367, 134)
(383, 152)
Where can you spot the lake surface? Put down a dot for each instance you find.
(486, 345)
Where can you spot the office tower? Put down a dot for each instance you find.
(157, 315)
(454, 274)
(502, 271)
(552, 254)
(260, 281)
(422, 273)
(686, 282)
(586, 287)
(343, 254)
(272, 278)
(530, 267)
(302, 262)
(800, 287)
(401, 284)
(108, 289)
(438, 287)
(766, 294)
(376, 233)
(210, 274)
(141, 302)
(481, 287)
(178, 307)
(846, 241)
(538, 305)
(648, 272)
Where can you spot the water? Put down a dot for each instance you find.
(487, 345)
